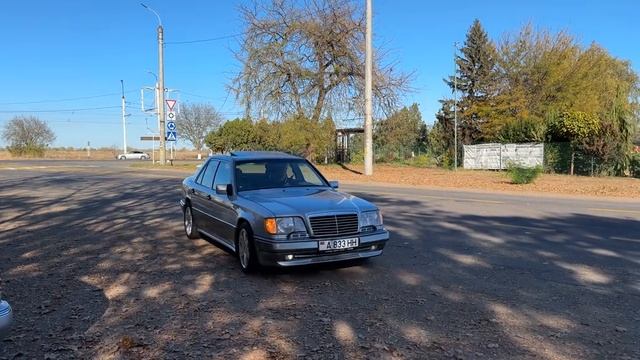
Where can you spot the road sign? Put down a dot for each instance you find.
(171, 126)
(171, 115)
(172, 136)
(171, 104)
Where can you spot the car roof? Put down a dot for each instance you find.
(255, 155)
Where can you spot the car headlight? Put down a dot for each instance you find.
(284, 225)
(370, 220)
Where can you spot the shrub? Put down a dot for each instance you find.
(634, 165)
(26, 151)
(422, 160)
(524, 175)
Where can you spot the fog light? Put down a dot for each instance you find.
(289, 257)
(373, 247)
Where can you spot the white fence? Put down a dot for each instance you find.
(500, 156)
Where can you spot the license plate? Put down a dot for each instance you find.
(339, 244)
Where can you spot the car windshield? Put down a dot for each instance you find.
(276, 173)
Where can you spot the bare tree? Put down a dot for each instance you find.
(27, 135)
(307, 58)
(195, 121)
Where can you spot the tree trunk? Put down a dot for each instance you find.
(573, 153)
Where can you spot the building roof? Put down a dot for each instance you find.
(350, 131)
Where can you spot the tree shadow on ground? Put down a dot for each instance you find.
(97, 266)
(345, 167)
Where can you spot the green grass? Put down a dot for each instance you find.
(523, 175)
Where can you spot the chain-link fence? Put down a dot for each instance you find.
(558, 159)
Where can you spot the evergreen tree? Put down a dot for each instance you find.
(475, 81)
(441, 144)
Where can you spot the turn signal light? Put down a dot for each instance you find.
(270, 226)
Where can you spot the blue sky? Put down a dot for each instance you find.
(55, 50)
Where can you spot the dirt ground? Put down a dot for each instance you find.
(467, 180)
(487, 180)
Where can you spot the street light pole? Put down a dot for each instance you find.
(124, 121)
(455, 107)
(368, 94)
(161, 87)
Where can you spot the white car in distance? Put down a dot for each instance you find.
(133, 155)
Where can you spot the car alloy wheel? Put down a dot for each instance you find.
(188, 221)
(243, 248)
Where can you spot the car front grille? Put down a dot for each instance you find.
(333, 225)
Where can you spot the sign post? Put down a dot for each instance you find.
(172, 135)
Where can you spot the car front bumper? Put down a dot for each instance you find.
(6, 317)
(305, 252)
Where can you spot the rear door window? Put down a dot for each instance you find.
(206, 179)
(201, 173)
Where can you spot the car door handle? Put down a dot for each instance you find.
(209, 197)
(193, 191)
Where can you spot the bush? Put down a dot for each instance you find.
(422, 160)
(357, 157)
(524, 175)
(634, 165)
(26, 151)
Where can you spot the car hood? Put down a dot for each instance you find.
(304, 201)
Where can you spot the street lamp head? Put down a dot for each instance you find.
(154, 75)
(154, 12)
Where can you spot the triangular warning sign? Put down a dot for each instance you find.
(171, 104)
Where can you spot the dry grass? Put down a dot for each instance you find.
(487, 180)
(96, 155)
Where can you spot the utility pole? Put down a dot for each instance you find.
(163, 155)
(455, 107)
(161, 115)
(124, 121)
(368, 121)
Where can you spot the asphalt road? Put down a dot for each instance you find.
(94, 261)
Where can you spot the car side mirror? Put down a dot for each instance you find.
(334, 184)
(226, 189)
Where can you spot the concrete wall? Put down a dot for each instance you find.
(500, 156)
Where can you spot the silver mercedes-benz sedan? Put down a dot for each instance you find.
(275, 209)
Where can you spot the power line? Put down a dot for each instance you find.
(198, 96)
(62, 100)
(230, 36)
(114, 123)
(57, 110)
(204, 40)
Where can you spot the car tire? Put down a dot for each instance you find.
(190, 228)
(245, 249)
(144, 158)
(122, 157)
